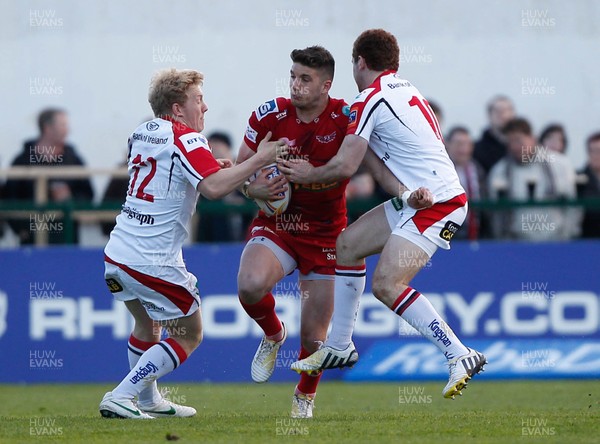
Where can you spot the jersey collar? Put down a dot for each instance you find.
(316, 119)
(179, 124)
(384, 73)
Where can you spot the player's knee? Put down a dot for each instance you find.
(251, 287)
(198, 337)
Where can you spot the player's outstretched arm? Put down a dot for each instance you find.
(262, 187)
(341, 166)
(224, 181)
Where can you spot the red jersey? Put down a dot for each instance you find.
(319, 209)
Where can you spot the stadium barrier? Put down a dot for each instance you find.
(533, 309)
(42, 212)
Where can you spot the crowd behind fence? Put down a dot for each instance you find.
(44, 216)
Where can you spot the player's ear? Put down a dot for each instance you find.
(362, 64)
(326, 85)
(176, 110)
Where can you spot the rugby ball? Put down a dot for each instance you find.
(273, 207)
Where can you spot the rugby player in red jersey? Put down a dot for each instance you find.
(392, 120)
(303, 237)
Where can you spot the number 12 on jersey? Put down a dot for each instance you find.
(138, 164)
(428, 114)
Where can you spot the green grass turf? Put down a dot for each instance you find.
(499, 412)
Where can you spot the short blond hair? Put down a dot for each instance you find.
(170, 86)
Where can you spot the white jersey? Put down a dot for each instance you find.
(166, 162)
(402, 130)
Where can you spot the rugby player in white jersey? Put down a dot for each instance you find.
(169, 164)
(393, 119)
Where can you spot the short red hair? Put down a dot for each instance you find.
(379, 48)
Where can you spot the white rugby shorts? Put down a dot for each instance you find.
(429, 228)
(166, 292)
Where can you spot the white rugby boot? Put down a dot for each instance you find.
(263, 363)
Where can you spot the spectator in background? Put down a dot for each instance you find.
(492, 145)
(437, 110)
(49, 149)
(554, 138)
(115, 193)
(530, 173)
(228, 227)
(471, 175)
(591, 188)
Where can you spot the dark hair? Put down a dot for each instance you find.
(379, 48)
(220, 136)
(46, 117)
(437, 110)
(498, 98)
(315, 57)
(554, 128)
(455, 130)
(593, 138)
(517, 125)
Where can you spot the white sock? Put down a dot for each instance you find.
(349, 286)
(415, 309)
(135, 349)
(157, 361)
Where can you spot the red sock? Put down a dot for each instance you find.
(263, 312)
(178, 349)
(138, 346)
(308, 384)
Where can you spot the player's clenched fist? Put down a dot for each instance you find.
(420, 198)
(224, 163)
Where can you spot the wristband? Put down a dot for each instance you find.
(404, 198)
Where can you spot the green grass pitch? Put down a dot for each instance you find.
(403, 412)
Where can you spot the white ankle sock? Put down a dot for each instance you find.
(349, 286)
(415, 309)
(157, 361)
(135, 349)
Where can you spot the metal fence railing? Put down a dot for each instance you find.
(88, 212)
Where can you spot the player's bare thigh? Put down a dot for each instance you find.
(398, 264)
(317, 308)
(363, 238)
(259, 271)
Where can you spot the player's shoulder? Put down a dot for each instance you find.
(156, 132)
(396, 85)
(272, 109)
(394, 81)
(188, 139)
(385, 83)
(339, 106)
(339, 110)
(368, 94)
(153, 126)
